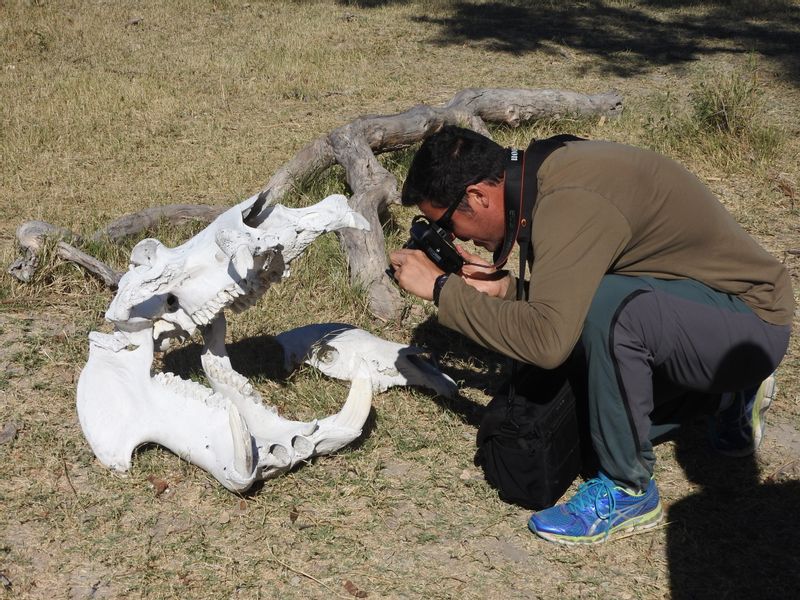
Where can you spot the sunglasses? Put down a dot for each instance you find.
(446, 220)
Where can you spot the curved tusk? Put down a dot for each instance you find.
(243, 460)
(356, 408)
(342, 428)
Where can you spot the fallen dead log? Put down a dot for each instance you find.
(355, 147)
(33, 235)
(149, 218)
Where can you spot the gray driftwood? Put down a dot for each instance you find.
(355, 146)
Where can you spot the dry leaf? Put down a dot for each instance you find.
(353, 590)
(293, 514)
(159, 485)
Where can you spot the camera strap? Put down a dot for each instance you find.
(520, 194)
(521, 190)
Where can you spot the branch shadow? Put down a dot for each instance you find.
(623, 39)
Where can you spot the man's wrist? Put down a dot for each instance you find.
(438, 285)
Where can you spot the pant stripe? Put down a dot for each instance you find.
(613, 355)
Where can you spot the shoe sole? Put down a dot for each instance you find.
(632, 526)
(767, 391)
(764, 397)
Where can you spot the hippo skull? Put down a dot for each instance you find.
(171, 292)
(228, 264)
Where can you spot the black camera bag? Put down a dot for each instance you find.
(529, 440)
(529, 443)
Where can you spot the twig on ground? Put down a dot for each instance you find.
(772, 477)
(303, 573)
(69, 481)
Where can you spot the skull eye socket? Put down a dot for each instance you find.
(172, 303)
(326, 354)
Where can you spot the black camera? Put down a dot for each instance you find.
(436, 242)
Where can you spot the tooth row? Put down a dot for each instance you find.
(206, 314)
(218, 373)
(191, 389)
(239, 297)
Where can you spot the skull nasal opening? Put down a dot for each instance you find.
(172, 303)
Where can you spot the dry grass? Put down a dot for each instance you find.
(110, 107)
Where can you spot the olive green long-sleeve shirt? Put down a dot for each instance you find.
(610, 208)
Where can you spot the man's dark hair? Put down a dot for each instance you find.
(448, 162)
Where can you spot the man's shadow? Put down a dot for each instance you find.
(735, 537)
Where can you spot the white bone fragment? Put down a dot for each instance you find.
(338, 349)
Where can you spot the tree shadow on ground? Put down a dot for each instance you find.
(735, 537)
(625, 39)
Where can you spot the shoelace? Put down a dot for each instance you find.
(590, 494)
(741, 418)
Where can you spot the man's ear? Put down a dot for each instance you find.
(478, 193)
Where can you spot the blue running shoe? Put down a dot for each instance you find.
(737, 429)
(598, 509)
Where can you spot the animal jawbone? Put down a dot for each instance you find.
(121, 407)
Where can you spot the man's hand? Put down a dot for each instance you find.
(483, 276)
(414, 272)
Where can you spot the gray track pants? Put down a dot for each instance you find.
(658, 350)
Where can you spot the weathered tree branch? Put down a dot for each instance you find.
(149, 218)
(355, 146)
(32, 235)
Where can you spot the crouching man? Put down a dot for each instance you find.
(638, 263)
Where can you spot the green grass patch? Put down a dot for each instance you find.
(725, 121)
